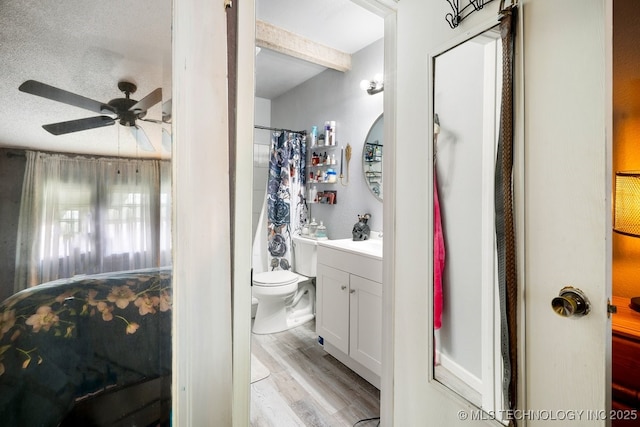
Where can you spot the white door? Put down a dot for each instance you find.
(366, 322)
(566, 201)
(563, 169)
(332, 306)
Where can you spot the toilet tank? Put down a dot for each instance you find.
(305, 256)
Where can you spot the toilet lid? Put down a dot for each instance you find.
(275, 278)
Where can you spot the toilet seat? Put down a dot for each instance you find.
(275, 278)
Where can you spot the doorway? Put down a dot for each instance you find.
(307, 105)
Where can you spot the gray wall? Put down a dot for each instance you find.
(458, 98)
(333, 95)
(12, 166)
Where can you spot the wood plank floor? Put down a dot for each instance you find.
(307, 386)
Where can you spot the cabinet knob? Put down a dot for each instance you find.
(343, 287)
(352, 291)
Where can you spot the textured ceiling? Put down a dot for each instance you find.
(85, 47)
(88, 46)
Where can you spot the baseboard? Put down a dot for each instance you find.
(458, 378)
(354, 365)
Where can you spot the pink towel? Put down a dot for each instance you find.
(438, 258)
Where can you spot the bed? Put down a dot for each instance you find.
(91, 350)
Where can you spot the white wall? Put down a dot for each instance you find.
(334, 95)
(202, 274)
(261, 144)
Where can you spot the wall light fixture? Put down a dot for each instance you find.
(373, 86)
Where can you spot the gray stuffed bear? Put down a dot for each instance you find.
(361, 230)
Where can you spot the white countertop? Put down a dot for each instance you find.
(371, 248)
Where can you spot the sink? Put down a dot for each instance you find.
(371, 247)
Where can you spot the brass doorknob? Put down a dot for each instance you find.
(571, 302)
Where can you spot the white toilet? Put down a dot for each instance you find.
(286, 299)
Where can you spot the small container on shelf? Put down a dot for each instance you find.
(332, 178)
(313, 227)
(327, 197)
(315, 159)
(321, 232)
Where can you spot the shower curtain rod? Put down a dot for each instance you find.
(280, 129)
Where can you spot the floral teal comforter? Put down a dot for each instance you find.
(66, 339)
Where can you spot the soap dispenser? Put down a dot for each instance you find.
(321, 232)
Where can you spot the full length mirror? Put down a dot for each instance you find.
(85, 247)
(372, 157)
(466, 113)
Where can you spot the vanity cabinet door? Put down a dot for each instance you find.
(332, 308)
(366, 322)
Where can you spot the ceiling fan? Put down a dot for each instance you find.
(126, 110)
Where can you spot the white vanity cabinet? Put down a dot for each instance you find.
(349, 307)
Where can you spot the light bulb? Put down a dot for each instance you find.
(365, 84)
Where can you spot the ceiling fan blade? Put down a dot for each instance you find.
(78, 125)
(147, 102)
(44, 90)
(141, 138)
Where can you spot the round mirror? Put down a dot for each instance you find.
(372, 157)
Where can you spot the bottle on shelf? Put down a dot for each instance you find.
(332, 125)
(327, 133)
(313, 194)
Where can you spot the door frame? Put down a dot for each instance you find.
(244, 173)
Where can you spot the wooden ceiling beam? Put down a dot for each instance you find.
(269, 36)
